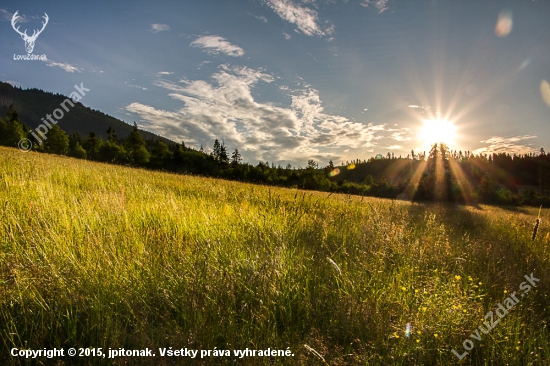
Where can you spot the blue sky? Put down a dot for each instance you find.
(292, 80)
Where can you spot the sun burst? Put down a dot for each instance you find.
(437, 131)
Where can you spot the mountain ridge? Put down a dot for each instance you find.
(33, 104)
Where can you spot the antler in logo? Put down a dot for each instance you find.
(29, 41)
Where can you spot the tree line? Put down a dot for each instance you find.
(440, 175)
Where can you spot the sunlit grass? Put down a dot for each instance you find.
(104, 256)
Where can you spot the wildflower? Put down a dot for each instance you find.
(403, 288)
(436, 335)
(457, 278)
(418, 341)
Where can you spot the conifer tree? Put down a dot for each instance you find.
(11, 129)
(135, 146)
(236, 157)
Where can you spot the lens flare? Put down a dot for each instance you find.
(351, 166)
(334, 172)
(504, 23)
(545, 92)
(408, 330)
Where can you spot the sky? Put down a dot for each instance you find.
(286, 81)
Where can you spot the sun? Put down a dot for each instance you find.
(437, 131)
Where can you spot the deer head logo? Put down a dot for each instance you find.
(29, 41)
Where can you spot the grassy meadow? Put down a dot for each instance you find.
(96, 255)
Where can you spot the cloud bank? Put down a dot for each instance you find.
(225, 108)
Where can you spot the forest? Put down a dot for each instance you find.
(439, 175)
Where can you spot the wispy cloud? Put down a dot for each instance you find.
(225, 108)
(287, 36)
(164, 73)
(5, 15)
(510, 145)
(381, 5)
(135, 86)
(159, 27)
(216, 44)
(259, 17)
(304, 18)
(65, 66)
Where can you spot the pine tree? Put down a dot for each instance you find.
(57, 141)
(111, 135)
(160, 154)
(224, 158)
(135, 146)
(236, 157)
(11, 130)
(216, 152)
(92, 146)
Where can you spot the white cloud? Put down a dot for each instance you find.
(506, 145)
(394, 147)
(65, 66)
(158, 27)
(164, 73)
(287, 36)
(398, 136)
(224, 108)
(217, 44)
(14, 83)
(304, 18)
(381, 5)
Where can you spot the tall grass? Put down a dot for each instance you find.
(93, 255)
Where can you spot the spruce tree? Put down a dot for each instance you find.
(135, 146)
(11, 130)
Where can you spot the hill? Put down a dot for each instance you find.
(96, 255)
(34, 104)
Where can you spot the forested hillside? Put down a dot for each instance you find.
(34, 104)
(441, 174)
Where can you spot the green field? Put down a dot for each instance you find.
(96, 255)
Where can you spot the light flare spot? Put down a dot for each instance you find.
(545, 91)
(334, 172)
(504, 23)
